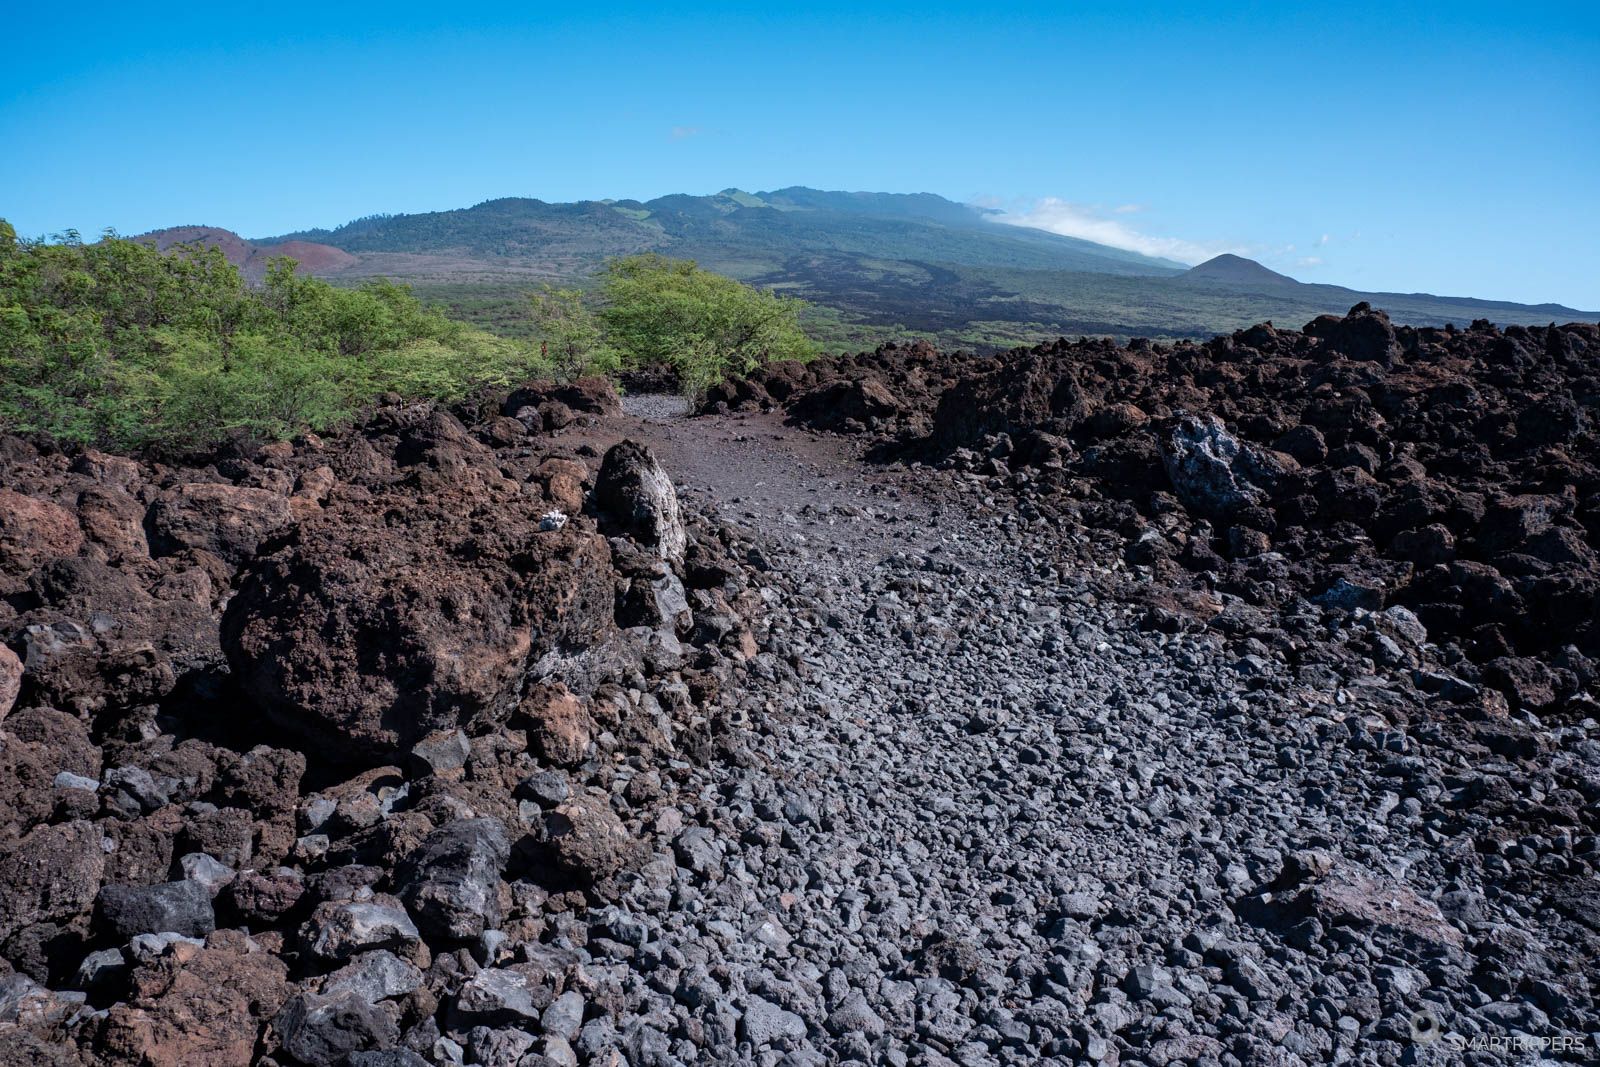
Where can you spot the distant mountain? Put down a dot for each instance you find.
(1236, 270)
(746, 234)
(874, 264)
(248, 256)
(1237, 275)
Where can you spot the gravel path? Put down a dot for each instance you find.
(996, 822)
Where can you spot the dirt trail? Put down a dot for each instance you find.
(998, 823)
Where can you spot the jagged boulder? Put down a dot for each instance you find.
(844, 404)
(325, 1031)
(113, 520)
(386, 621)
(183, 908)
(228, 521)
(586, 840)
(559, 726)
(33, 531)
(98, 640)
(1214, 473)
(591, 396)
(1038, 392)
(40, 745)
(634, 492)
(50, 875)
(451, 884)
(206, 1005)
(1363, 334)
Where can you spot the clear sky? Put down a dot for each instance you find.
(1451, 147)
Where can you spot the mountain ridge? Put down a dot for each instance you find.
(249, 256)
(874, 265)
(902, 225)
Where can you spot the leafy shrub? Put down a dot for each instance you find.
(570, 335)
(703, 325)
(653, 311)
(117, 344)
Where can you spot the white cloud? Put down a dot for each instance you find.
(1091, 224)
(1308, 261)
(1127, 209)
(683, 133)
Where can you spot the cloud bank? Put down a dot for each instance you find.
(1094, 224)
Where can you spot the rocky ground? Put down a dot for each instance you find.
(892, 749)
(1000, 819)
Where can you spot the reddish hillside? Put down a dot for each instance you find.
(312, 257)
(249, 256)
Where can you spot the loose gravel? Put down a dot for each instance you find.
(994, 821)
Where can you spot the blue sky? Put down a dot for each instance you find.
(1452, 148)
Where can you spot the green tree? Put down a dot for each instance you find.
(117, 344)
(705, 326)
(570, 334)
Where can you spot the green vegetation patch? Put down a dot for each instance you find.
(652, 311)
(119, 345)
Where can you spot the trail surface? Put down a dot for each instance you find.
(997, 822)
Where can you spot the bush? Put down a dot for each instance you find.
(654, 311)
(119, 345)
(703, 325)
(569, 334)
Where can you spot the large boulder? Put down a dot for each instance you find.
(33, 531)
(113, 520)
(1038, 392)
(586, 841)
(37, 747)
(340, 930)
(50, 875)
(436, 440)
(206, 1005)
(843, 405)
(325, 1031)
(635, 493)
(228, 521)
(387, 620)
(452, 883)
(591, 396)
(98, 640)
(1364, 334)
(1214, 473)
(559, 727)
(184, 908)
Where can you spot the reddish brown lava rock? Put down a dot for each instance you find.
(228, 520)
(33, 531)
(393, 616)
(559, 726)
(10, 680)
(50, 875)
(206, 1005)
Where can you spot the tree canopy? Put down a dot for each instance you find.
(654, 311)
(116, 344)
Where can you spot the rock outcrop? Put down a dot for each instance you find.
(294, 740)
(396, 614)
(1453, 472)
